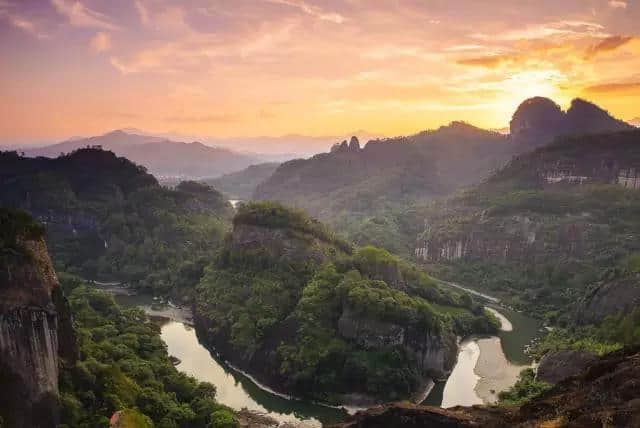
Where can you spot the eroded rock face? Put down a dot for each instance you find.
(33, 313)
(435, 352)
(609, 298)
(557, 366)
(606, 393)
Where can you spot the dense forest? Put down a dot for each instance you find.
(108, 219)
(123, 366)
(299, 307)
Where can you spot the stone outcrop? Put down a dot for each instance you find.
(609, 298)
(435, 353)
(35, 329)
(539, 120)
(557, 366)
(605, 394)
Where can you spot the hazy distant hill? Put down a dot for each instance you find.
(635, 122)
(162, 157)
(242, 184)
(361, 191)
(398, 170)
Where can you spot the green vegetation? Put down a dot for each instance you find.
(525, 389)
(107, 219)
(274, 215)
(123, 365)
(242, 184)
(537, 245)
(615, 332)
(292, 319)
(364, 193)
(15, 225)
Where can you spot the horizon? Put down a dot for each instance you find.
(275, 68)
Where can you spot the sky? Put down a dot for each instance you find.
(232, 68)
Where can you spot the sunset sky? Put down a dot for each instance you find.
(273, 67)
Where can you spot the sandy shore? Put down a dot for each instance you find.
(495, 371)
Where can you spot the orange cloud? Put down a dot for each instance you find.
(630, 88)
(489, 61)
(607, 45)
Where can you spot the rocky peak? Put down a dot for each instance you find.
(354, 144)
(585, 117)
(540, 120)
(537, 116)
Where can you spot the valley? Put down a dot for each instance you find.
(443, 258)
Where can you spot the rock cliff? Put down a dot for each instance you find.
(35, 326)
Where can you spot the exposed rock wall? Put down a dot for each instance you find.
(608, 298)
(34, 322)
(435, 352)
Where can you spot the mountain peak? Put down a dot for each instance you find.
(540, 119)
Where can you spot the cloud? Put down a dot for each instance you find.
(618, 4)
(101, 42)
(567, 28)
(143, 13)
(314, 11)
(19, 21)
(608, 44)
(627, 88)
(81, 16)
(489, 61)
(211, 118)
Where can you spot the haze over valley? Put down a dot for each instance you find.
(468, 258)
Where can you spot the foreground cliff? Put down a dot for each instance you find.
(605, 394)
(35, 325)
(304, 312)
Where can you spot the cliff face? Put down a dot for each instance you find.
(605, 394)
(435, 352)
(35, 328)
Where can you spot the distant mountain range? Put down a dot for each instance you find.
(635, 122)
(162, 157)
(351, 184)
(271, 149)
(168, 158)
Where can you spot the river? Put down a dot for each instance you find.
(485, 366)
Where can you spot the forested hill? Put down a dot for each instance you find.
(108, 219)
(369, 193)
(354, 179)
(556, 227)
(304, 312)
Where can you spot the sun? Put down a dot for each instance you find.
(527, 84)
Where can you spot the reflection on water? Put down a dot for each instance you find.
(485, 366)
(233, 388)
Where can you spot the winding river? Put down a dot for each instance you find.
(485, 366)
